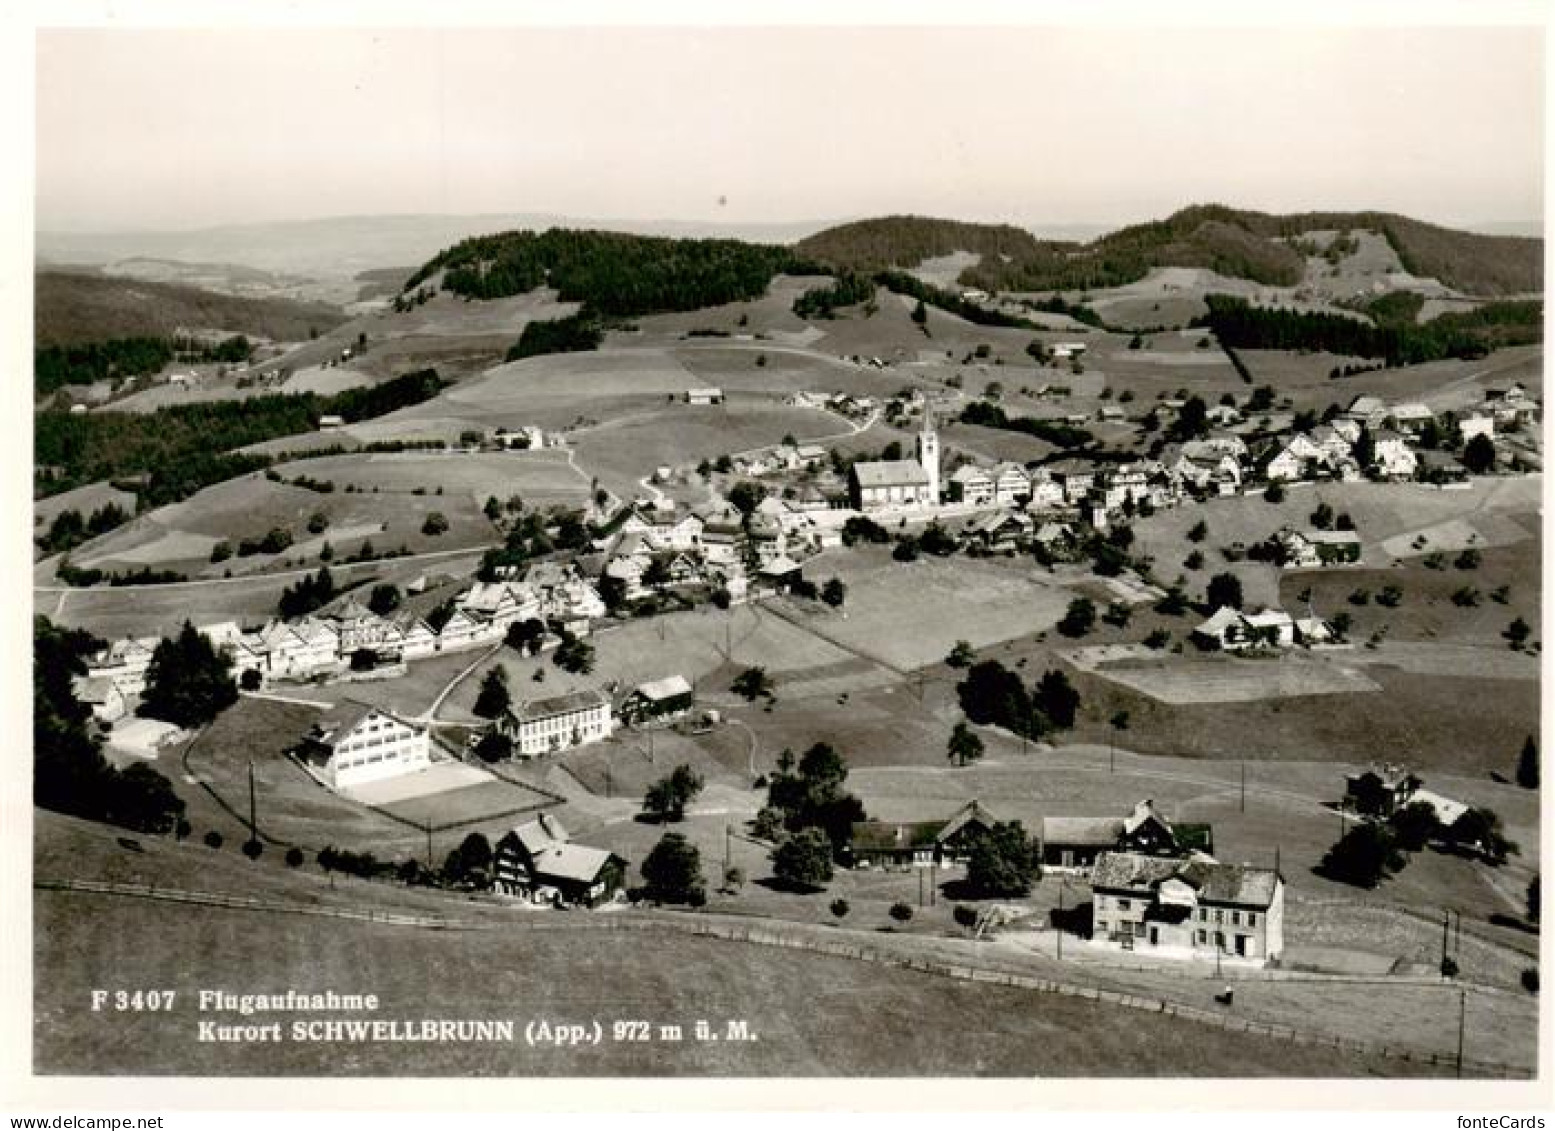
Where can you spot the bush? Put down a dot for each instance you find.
(252, 848)
(1531, 979)
(294, 857)
(901, 912)
(839, 908)
(213, 839)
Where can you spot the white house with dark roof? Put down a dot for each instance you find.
(544, 726)
(1188, 908)
(354, 743)
(971, 485)
(1011, 484)
(1393, 456)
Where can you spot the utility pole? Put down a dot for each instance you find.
(1063, 884)
(253, 807)
(1446, 916)
(728, 847)
(1241, 804)
(428, 829)
(1463, 1006)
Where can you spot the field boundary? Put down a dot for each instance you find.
(769, 937)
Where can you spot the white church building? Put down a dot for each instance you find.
(891, 484)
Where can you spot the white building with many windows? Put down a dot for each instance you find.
(355, 743)
(544, 726)
(1192, 908)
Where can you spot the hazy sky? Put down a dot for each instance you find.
(178, 129)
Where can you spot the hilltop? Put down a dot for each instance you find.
(74, 308)
(1256, 246)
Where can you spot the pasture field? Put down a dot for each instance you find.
(833, 1028)
(383, 509)
(482, 804)
(907, 615)
(158, 609)
(541, 478)
(411, 694)
(1223, 679)
(86, 499)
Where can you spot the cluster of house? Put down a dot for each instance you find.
(1154, 883)
(843, 404)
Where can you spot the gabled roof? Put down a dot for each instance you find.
(1144, 811)
(969, 473)
(344, 717)
(881, 835)
(1222, 619)
(573, 862)
(536, 709)
(971, 811)
(1089, 832)
(1213, 881)
(1447, 810)
(667, 688)
(891, 473)
(96, 689)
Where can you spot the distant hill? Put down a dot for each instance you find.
(1233, 242)
(74, 308)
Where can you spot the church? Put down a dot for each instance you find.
(899, 483)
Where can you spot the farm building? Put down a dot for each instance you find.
(1067, 349)
(662, 699)
(1305, 549)
(1393, 457)
(1231, 630)
(124, 662)
(539, 862)
(543, 726)
(1000, 531)
(354, 743)
(781, 573)
(1074, 843)
(709, 396)
(918, 844)
(1379, 791)
(1188, 908)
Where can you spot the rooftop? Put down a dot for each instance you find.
(536, 709)
(891, 473)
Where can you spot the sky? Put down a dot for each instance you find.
(178, 129)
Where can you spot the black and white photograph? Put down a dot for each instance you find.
(1003, 552)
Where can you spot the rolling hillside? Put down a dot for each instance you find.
(74, 308)
(1242, 244)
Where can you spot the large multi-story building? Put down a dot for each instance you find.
(896, 483)
(544, 726)
(1191, 908)
(355, 743)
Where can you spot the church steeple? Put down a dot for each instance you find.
(928, 453)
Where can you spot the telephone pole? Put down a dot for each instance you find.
(253, 806)
(1063, 884)
(1241, 804)
(1463, 1007)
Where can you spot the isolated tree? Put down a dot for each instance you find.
(901, 912)
(1479, 455)
(294, 857)
(961, 655)
(991, 694)
(1003, 862)
(384, 599)
(1323, 517)
(920, 313)
(834, 593)
(672, 871)
(804, 859)
(213, 839)
(1366, 855)
(436, 523)
(667, 798)
(1528, 764)
(1479, 831)
(965, 745)
(752, 684)
(1517, 632)
(840, 908)
(187, 681)
(1079, 618)
(1224, 591)
(1533, 898)
(494, 697)
(1198, 531)
(965, 917)
(734, 878)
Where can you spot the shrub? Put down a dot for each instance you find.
(252, 848)
(294, 857)
(901, 912)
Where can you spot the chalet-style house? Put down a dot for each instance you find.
(355, 743)
(895, 845)
(1074, 843)
(971, 485)
(660, 700)
(1231, 630)
(1193, 908)
(544, 726)
(538, 862)
(124, 663)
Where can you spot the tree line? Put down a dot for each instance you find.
(1239, 324)
(990, 415)
(181, 449)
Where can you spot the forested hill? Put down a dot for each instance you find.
(1233, 242)
(75, 308)
(611, 273)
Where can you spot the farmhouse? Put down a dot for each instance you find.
(709, 396)
(1067, 349)
(1306, 549)
(1411, 417)
(667, 698)
(124, 663)
(1188, 908)
(1011, 486)
(1074, 843)
(1231, 630)
(1076, 477)
(539, 862)
(1379, 791)
(1393, 457)
(1476, 424)
(544, 726)
(1000, 531)
(918, 844)
(353, 743)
